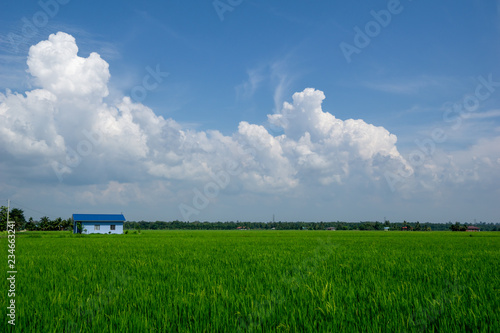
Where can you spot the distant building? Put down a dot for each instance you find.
(472, 228)
(98, 223)
(404, 228)
(386, 228)
(331, 228)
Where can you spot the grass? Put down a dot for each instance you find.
(256, 281)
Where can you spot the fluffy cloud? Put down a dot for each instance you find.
(58, 69)
(119, 153)
(28, 127)
(77, 136)
(330, 148)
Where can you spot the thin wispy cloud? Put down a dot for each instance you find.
(276, 76)
(409, 86)
(149, 19)
(282, 78)
(255, 79)
(483, 115)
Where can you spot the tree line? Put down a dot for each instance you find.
(47, 224)
(338, 225)
(43, 224)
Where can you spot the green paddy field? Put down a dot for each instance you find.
(255, 281)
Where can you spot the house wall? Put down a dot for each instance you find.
(105, 227)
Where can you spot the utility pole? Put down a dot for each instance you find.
(8, 209)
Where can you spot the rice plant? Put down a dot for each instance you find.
(256, 281)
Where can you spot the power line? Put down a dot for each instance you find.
(31, 209)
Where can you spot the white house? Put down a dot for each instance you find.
(98, 223)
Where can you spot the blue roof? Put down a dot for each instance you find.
(99, 217)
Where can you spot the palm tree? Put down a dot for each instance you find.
(44, 223)
(58, 223)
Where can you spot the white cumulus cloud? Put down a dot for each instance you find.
(77, 136)
(63, 131)
(58, 68)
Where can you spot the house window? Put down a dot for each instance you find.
(113, 227)
(97, 227)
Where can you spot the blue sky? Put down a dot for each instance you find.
(231, 65)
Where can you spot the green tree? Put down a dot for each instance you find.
(16, 215)
(3, 218)
(79, 227)
(44, 223)
(418, 227)
(68, 224)
(455, 227)
(31, 225)
(57, 224)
